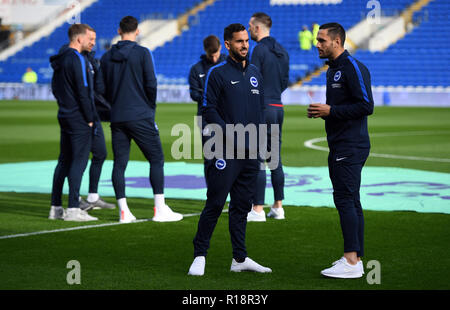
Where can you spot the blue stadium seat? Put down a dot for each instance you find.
(421, 58)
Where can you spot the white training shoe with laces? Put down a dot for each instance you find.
(276, 213)
(360, 264)
(126, 216)
(342, 269)
(248, 265)
(198, 266)
(254, 216)
(166, 214)
(78, 215)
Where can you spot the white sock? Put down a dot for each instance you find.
(122, 202)
(159, 201)
(56, 206)
(93, 197)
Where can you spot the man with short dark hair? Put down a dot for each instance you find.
(76, 117)
(233, 96)
(197, 74)
(130, 86)
(197, 77)
(273, 62)
(348, 103)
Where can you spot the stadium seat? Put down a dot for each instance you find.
(418, 59)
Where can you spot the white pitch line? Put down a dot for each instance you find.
(42, 232)
(311, 144)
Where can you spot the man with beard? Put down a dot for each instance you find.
(76, 117)
(233, 96)
(348, 103)
(98, 146)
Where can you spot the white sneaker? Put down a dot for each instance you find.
(342, 269)
(198, 266)
(78, 215)
(166, 215)
(126, 216)
(254, 216)
(56, 213)
(361, 266)
(276, 213)
(248, 265)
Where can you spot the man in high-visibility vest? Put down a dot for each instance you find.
(315, 31)
(305, 37)
(29, 77)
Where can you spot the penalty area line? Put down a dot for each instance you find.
(311, 145)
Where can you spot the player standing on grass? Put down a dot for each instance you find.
(273, 62)
(197, 75)
(76, 116)
(348, 103)
(98, 148)
(233, 95)
(130, 85)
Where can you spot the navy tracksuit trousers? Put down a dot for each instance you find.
(145, 133)
(274, 115)
(98, 150)
(75, 146)
(238, 179)
(345, 173)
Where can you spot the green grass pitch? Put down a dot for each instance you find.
(412, 248)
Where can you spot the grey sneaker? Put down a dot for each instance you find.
(56, 213)
(78, 215)
(248, 265)
(101, 204)
(84, 205)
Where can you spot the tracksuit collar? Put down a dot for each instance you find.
(238, 65)
(338, 61)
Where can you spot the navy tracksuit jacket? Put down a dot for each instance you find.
(197, 78)
(349, 95)
(98, 147)
(273, 62)
(130, 82)
(130, 86)
(233, 95)
(75, 110)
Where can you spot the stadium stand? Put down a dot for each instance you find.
(421, 58)
(402, 64)
(103, 16)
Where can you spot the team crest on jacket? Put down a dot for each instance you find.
(221, 164)
(337, 76)
(254, 81)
